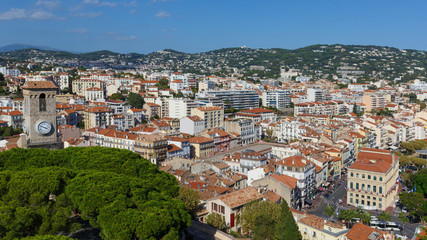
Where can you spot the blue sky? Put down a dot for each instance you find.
(145, 26)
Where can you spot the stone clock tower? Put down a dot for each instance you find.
(39, 116)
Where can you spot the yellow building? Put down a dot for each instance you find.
(152, 147)
(81, 85)
(373, 179)
(213, 116)
(201, 147)
(97, 117)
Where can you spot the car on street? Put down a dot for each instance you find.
(412, 219)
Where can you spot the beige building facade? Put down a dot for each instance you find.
(213, 116)
(373, 179)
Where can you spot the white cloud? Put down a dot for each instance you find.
(163, 14)
(120, 37)
(14, 13)
(48, 3)
(130, 4)
(77, 30)
(18, 13)
(133, 11)
(89, 14)
(98, 3)
(157, 1)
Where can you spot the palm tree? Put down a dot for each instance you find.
(329, 211)
(365, 217)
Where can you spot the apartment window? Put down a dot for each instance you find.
(363, 202)
(363, 175)
(369, 203)
(380, 199)
(381, 190)
(351, 194)
(369, 188)
(374, 204)
(374, 198)
(351, 174)
(381, 179)
(351, 200)
(369, 176)
(375, 188)
(357, 195)
(363, 186)
(357, 201)
(375, 178)
(357, 175)
(351, 184)
(357, 185)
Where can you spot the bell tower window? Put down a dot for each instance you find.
(42, 102)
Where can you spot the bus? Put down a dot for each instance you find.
(385, 226)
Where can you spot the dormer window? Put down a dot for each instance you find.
(42, 102)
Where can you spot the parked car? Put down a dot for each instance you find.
(413, 219)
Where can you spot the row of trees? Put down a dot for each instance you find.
(263, 220)
(45, 192)
(412, 146)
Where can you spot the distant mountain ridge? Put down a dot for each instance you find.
(20, 46)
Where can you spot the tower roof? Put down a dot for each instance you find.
(39, 85)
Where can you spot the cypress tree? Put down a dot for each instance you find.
(286, 228)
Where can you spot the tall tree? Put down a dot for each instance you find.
(286, 228)
(256, 208)
(135, 100)
(190, 198)
(263, 223)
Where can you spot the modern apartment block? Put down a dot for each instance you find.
(373, 101)
(244, 99)
(278, 99)
(180, 107)
(213, 116)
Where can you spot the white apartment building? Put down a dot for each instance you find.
(321, 108)
(288, 130)
(278, 99)
(244, 127)
(302, 169)
(315, 95)
(180, 107)
(192, 125)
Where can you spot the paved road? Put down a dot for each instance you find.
(408, 228)
(332, 200)
(254, 146)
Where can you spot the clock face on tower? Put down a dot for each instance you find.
(43, 127)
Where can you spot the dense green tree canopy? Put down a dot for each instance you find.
(135, 100)
(125, 196)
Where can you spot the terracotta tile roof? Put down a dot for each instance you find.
(240, 197)
(195, 118)
(13, 113)
(294, 161)
(98, 109)
(272, 197)
(178, 139)
(360, 231)
(200, 140)
(39, 85)
(374, 160)
(285, 179)
(173, 148)
(319, 223)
